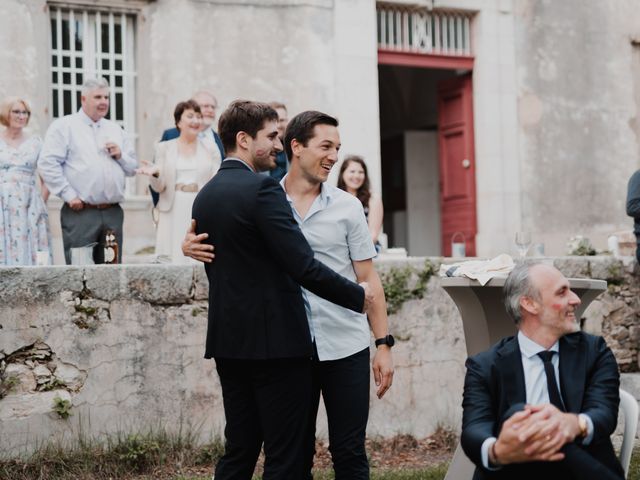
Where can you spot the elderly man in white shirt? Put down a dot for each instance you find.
(84, 160)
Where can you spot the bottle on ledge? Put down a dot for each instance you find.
(110, 248)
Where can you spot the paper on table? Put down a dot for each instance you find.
(480, 270)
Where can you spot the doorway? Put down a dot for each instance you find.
(428, 168)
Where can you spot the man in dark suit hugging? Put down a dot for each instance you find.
(258, 331)
(543, 404)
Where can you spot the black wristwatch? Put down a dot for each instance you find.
(388, 340)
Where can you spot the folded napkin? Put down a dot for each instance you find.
(480, 270)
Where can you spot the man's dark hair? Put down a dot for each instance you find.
(181, 107)
(301, 128)
(243, 116)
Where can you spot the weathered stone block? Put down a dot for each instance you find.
(573, 267)
(163, 284)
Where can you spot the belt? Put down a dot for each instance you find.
(187, 187)
(99, 206)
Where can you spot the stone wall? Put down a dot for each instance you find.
(110, 349)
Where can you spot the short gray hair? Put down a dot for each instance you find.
(518, 285)
(94, 83)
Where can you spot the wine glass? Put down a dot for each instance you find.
(523, 241)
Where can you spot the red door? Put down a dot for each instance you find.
(457, 163)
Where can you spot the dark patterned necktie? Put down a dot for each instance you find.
(552, 385)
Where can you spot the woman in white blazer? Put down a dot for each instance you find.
(182, 167)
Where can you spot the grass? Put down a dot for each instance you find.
(159, 455)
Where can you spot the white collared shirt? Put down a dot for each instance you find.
(74, 163)
(336, 229)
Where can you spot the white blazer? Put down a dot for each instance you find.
(207, 163)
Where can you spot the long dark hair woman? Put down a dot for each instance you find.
(353, 178)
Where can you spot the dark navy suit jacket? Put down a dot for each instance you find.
(589, 382)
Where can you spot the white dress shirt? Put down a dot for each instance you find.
(535, 380)
(74, 163)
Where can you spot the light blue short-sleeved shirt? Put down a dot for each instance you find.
(336, 228)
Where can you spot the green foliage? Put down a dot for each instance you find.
(615, 274)
(210, 453)
(62, 407)
(54, 384)
(8, 384)
(137, 451)
(398, 288)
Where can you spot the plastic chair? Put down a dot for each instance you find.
(629, 407)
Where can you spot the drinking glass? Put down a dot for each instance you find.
(523, 241)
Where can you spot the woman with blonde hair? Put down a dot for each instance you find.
(24, 222)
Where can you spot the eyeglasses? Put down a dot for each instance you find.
(21, 112)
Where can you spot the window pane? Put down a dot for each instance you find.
(54, 61)
(79, 79)
(78, 62)
(66, 78)
(66, 61)
(55, 104)
(66, 102)
(78, 39)
(118, 80)
(78, 94)
(117, 29)
(54, 77)
(105, 37)
(119, 107)
(105, 64)
(119, 65)
(54, 33)
(65, 35)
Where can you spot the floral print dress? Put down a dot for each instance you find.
(24, 222)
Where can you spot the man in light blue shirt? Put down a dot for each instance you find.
(84, 160)
(543, 403)
(334, 224)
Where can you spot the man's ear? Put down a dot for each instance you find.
(296, 147)
(243, 140)
(529, 304)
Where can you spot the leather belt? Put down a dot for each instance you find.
(187, 187)
(99, 206)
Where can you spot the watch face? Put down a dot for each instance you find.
(390, 340)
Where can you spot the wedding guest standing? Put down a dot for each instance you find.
(24, 223)
(354, 179)
(182, 167)
(85, 159)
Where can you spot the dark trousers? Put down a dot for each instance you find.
(82, 227)
(344, 384)
(264, 401)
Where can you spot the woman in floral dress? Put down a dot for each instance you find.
(24, 223)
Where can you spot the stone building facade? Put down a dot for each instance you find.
(555, 89)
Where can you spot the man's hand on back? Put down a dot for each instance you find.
(193, 247)
(369, 297)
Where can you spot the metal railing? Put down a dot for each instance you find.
(419, 30)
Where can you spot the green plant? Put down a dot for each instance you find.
(62, 407)
(396, 284)
(54, 384)
(8, 384)
(615, 275)
(138, 451)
